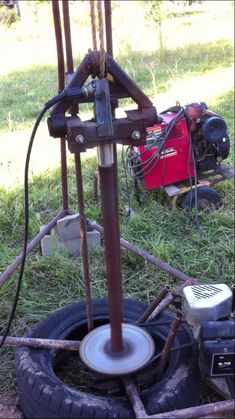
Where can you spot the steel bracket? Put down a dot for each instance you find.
(118, 85)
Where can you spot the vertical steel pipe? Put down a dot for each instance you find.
(110, 214)
(168, 344)
(78, 169)
(83, 238)
(67, 35)
(114, 278)
(68, 48)
(108, 27)
(59, 44)
(61, 83)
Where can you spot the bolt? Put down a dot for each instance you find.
(135, 135)
(79, 139)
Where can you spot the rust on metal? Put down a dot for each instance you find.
(108, 27)
(79, 78)
(61, 85)
(111, 233)
(168, 344)
(73, 110)
(121, 87)
(70, 345)
(64, 174)
(169, 299)
(67, 34)
(59, 44)
(13, 266)
(133, 395)
(95, 183)
(83, 238)
(220, 386)
(210, 409)
(162, 294)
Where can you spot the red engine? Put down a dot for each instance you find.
(184, 142)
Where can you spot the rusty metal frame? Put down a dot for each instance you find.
(166, 296)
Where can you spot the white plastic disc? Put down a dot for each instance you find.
(95, 350)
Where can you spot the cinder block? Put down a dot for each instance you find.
(68, 227)
(46, 248)
(73, 246)
(49, 244)
(67, 236)
(93, 239)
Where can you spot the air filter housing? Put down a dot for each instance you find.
(206, 302)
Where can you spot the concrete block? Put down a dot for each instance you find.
(49, 244)
(93, 239)
(66, 236)
(46, 247)
(73, 246)
(68, 227)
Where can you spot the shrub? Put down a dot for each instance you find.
(8, 16)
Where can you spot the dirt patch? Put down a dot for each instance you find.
(9, 407)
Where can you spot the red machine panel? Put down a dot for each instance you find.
(174, 163)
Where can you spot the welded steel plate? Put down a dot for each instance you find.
(138, 349)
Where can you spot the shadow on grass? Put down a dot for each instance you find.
(56, 281)
(23, 93)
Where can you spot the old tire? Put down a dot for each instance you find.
(207, 199)
(43, 395)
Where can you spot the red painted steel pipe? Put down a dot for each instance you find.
(133, 395)
(11, 268)
(73, 109)
(61, 85)
(59, 44)
(108, 27)
(67, 33)
(78, 170)
(168, 344)
(112, 253)
(149, 310)
(83, 237)
(214, 409)
(211, 409)
(70, 345)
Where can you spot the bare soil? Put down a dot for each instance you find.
(9, 407)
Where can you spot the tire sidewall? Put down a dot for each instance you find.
(164, 395)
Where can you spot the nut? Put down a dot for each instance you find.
(79, 139)
(135, 135)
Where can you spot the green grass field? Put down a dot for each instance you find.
(56, 281)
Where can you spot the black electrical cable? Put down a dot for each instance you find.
(154, 158)
(66, 94)
(142, 173)
(176, 348)
(26, 223)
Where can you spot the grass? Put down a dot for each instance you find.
(32, 87)
(56, 281)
